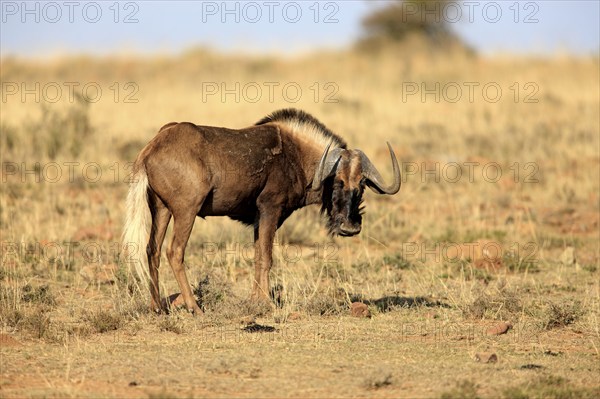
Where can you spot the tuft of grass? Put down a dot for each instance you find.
(322, 306)
(550, 387)
(519, 264)
(326, 303)
(504, 305)
(172, 324)
(562, 314)
(10, 317)
(378, 379)
(26, 308)
(363, 266)
(102, 321)
(221, 366)
(215, 296)
(335, 271)
(37, 323)
(212, 291)
(10, 296)
(470, 272)
(590, 268)
(397, 261)
(465, 389)
(38, 295)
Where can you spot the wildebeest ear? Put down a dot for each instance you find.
(327, 166)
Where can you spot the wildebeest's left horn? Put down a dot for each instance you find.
(326, 166)
(373, 178)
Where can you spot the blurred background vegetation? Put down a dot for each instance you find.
(403, 21)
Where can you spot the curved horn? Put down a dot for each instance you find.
(374, 180)
(326, 166)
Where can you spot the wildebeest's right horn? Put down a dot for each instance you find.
(326, 166)
(374, 180)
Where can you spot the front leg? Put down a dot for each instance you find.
(264, 234)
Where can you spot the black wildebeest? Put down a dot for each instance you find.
(258, 175)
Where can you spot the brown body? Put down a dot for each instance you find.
(258, 175)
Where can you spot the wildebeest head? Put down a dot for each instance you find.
(343, 174)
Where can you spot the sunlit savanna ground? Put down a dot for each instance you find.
(66, 332)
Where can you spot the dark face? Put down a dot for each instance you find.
(344, 191)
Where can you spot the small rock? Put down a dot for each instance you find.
(359, 309)
(499, 329)
(133, 384)
(486, 357)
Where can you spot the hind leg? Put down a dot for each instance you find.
(183, 186)
(183, 223)
(160, 221)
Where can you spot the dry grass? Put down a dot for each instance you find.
(431, 306)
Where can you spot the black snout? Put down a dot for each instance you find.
(348, 230)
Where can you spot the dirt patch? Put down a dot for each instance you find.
(8, 341)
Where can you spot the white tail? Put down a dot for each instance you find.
(137, 225)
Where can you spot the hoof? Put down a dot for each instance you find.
(196, 311)
(260, 296)
(158, 309)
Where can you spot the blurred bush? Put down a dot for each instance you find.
(402, 21)
(54, 134)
